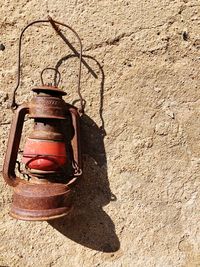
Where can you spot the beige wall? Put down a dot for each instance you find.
(138, 204)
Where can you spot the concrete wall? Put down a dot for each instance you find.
(138, 203)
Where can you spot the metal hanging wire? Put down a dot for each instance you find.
(55, 26)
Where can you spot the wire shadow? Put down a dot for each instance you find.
(93, 73)
(89, 225)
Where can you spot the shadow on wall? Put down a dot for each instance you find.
(89, 225)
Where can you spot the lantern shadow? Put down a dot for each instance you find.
(88, 224)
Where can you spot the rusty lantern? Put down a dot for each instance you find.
(44, 189)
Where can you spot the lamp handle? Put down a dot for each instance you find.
(55, 26)
(13, 145)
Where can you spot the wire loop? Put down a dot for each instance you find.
(56, 71)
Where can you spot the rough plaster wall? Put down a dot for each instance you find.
(138, 203)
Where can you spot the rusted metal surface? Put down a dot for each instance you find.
(76, 138)
(44, 201)
(47, 194)
(46, 88)
(47, 104)
(13, 145)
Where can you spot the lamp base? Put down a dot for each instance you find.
(26, 215)
(41, 202)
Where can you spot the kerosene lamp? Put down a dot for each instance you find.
(51, 155)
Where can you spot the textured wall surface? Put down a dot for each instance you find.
(138, 202)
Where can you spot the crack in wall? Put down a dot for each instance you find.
(117, 39)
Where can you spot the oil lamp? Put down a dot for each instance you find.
(44, 189)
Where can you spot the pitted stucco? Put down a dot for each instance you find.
(138, 203)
